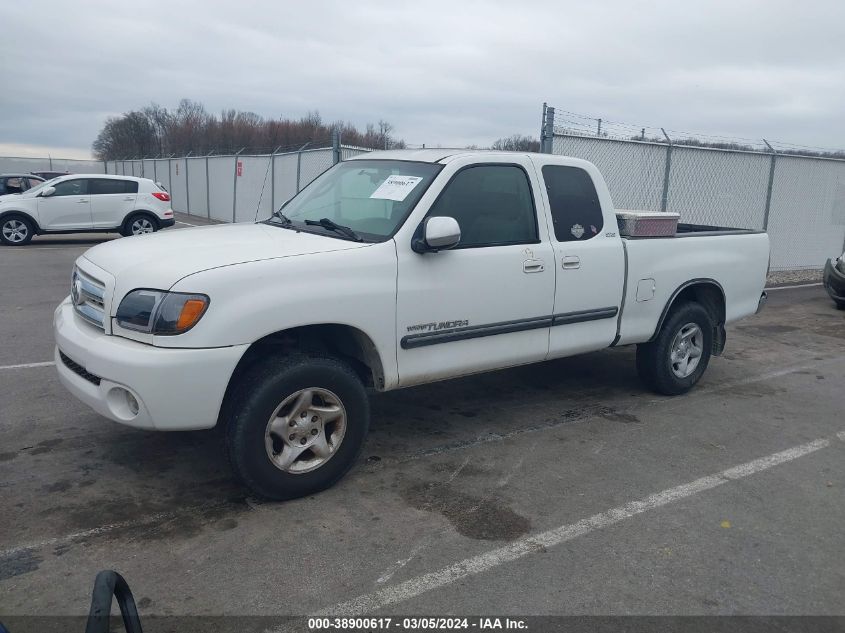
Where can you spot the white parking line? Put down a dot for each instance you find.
(539, 542)
(185, 223)
(47, 363)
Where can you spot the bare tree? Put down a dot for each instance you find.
(517, 143)
(155, 130)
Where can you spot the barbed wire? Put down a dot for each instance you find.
(566, 121)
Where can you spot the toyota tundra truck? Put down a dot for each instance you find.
(391, 269)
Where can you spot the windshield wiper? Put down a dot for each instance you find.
(286, 221)
(326, 223)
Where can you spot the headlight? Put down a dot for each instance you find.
(160, 312)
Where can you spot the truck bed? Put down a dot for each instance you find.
(697, 230)
(656, 267)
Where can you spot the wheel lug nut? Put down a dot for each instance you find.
(302, 441)
(292, 423)
(314, 431)
(292, 437)
(303, 414)
(314, 419)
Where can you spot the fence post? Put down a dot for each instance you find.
(207, 187)
(770, 185)
(664, 202)
(187, 184)
(155, 168)
(235, 187)
(273, 179)
(547, 131)
(335, 146)
(105, 167)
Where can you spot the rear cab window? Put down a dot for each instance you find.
(574, 202)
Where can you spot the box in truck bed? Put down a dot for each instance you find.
(647, 223)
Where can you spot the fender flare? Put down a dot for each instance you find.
(155, 218)
(702, 281)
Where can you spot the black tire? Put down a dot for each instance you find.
(252, 403)
(654, 359)
(128, 226)
(11, 228)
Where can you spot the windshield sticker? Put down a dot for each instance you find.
(396, 187)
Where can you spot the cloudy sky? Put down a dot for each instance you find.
(449, 73)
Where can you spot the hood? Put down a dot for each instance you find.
(159, 260)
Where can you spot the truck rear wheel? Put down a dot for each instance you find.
(295, 425)
(675, 361)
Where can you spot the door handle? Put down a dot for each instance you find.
(571, 261)
(85, 201)
(533, 266)
(129, 198)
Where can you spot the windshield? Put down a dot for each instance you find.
(41, 185)
(371, 197)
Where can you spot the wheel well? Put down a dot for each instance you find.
(149, 214)
(341, 341)
(706, 292)
(6, 214)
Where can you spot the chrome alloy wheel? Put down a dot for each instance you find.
(15, 231)
(141, 226)
(687, 348)
(305, 430)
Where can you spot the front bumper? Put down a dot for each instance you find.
(834, 281)
(172, 389)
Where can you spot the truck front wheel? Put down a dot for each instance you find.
(675, 361)
(295, 425)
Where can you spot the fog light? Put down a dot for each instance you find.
(122, 403)
(132, 403)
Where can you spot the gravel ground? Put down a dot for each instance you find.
(788, 277)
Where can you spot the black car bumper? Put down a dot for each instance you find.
(166, 223)
(834, 281)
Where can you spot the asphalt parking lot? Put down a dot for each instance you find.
(559, 488)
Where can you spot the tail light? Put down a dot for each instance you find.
(161, 195)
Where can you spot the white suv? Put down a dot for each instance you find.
(83, 203)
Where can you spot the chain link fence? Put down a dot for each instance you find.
(798, 200)
(237, 187)
(24, 165)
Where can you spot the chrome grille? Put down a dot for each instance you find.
(87, 295)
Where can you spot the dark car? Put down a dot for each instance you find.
(18, 183)
(47, 175)
(834, 280)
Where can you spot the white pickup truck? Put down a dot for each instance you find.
(391, 269)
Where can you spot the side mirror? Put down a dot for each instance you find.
(437, 233)
(47, 191)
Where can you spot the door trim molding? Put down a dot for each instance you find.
(425, 339)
